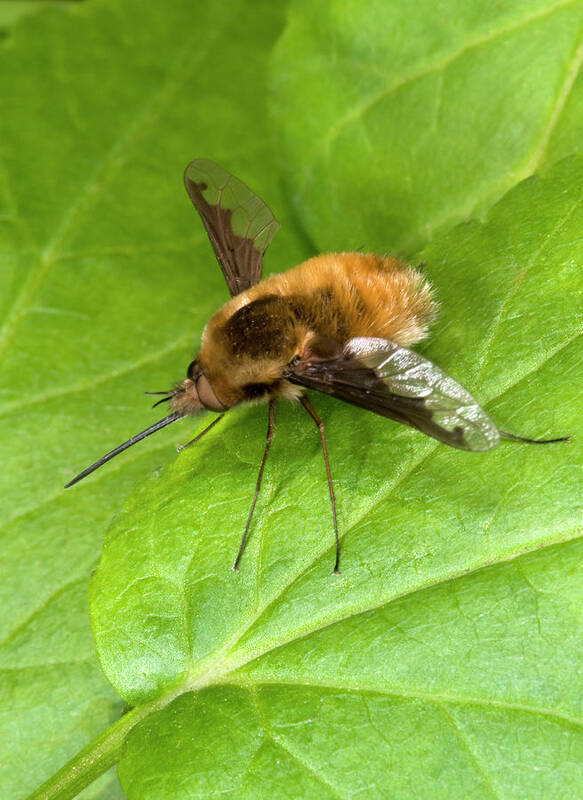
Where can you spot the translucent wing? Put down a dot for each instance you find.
(398, 383)
(239, 224)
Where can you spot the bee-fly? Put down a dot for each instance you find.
(339, 323)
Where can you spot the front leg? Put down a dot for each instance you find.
(308, 406)
(270, 429)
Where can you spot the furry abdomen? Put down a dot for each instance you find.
(355, 294)
(337, 296)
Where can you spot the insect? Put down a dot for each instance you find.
(340, 324)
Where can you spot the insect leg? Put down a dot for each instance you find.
(270, 428)
(534, 441)
(308, 406)
(182, 447)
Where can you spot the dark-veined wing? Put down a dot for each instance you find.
(239, 224)
(399, 383)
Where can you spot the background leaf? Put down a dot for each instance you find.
(11, 12)
(418, 117)
(107, 279)
(401, 655)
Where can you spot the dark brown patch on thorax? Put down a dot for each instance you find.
(269, 326)
(261, 329)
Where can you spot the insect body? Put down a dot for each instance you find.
(338, 323)
(310, 312)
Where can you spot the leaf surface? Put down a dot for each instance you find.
(106, 281)
(451, 638)
(418, 116)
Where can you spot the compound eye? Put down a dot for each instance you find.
(193, 370)
(207, 396)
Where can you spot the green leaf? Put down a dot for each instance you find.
(11, 12)
(416, 116)
(450, 644)
(106, 281)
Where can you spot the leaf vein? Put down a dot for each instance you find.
(515, 287)
(283, 743)
(44, 605)
(365, 608)
(103, 172)
(101, 476)
(571, 74)
(98, 380)
(465, 745)
(407, 693)
(436, 67)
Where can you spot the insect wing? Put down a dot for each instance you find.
(239, 224)
(395, 382)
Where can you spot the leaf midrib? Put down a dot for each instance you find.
(413, 694)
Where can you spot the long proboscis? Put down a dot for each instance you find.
(137, 438)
